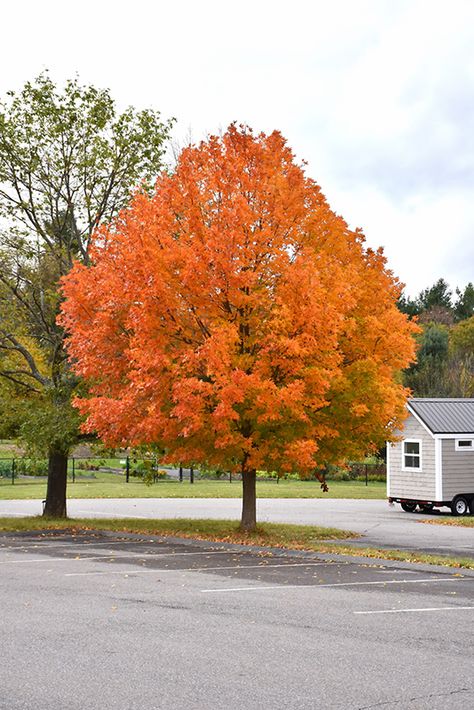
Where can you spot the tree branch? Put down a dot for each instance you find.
(18, 347)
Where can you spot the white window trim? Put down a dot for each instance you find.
(464, 448)
(412, 468)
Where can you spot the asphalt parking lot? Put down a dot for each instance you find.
(106, 620)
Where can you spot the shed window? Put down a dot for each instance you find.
(412, 455)
(464, 444)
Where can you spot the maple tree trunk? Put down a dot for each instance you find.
(248, 521)
(55, 506)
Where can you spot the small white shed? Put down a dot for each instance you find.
(432, 465)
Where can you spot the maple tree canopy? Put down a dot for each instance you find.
(234, 319)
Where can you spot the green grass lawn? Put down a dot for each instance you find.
(106, 485)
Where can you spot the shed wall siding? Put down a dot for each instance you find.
(458, 469)
(413, 484)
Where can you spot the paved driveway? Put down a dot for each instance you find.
(380, 524)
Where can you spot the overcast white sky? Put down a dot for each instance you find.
(377, 96)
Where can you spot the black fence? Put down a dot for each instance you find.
(150, 471)
(368, 472)
(87, 468)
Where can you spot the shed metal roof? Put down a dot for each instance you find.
(445, 416)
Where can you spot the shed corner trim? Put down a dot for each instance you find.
(438, 469)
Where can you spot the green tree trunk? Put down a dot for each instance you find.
(248, 522)
(56, 492)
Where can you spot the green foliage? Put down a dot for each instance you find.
(462, 338)
(409, 306)
(437, 295)
(86, 465)
(152, 475)
(445, 365)
(147, 469)
(425, 376)
(213, 474)
(69, 161)
(435, 304)
(31, 467)
(464, 307)
(23, 467)
(49, 423)
(9, 414)
(6, 468)
(434, 345)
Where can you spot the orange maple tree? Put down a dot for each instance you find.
(233, 318)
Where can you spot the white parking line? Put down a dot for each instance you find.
(51, 543)
(124, 556)
(57, 559)
(198, 569)
(335, 584)
(407, 611)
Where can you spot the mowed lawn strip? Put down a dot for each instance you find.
(277, 535)
(112, 486)
(271, 534)
(467, 522)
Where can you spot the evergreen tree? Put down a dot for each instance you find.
(464, 306)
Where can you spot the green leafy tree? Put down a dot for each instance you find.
(68, 161)
(434, 345)
(464, 306)
(461, 365)
(408, 305)
(432, 305)
(437, 295)
(462, 337)
(445, 362)
(426, 377)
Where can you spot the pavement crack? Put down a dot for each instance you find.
(428, 696)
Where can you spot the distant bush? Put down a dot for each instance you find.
(214, 474)
(31, 467)
(376, 471)
(277, 475)
(147, 470)
(338, 473)
(89, 465)
(138, 468)
(6, 469)
(24, 467)
(153, 475)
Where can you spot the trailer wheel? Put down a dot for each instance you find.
(409, 506)
(426, 507)
(460, 506)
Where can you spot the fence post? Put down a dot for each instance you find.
(73, 469)
(127, 469)
(180, 474)
(191, 475)
(366, 476)
(13, 472)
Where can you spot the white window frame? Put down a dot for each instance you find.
(412, 468)
(464, 448)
